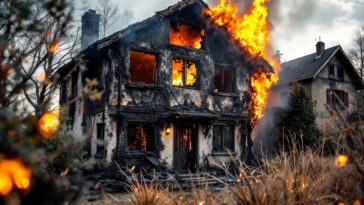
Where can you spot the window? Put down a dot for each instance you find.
(337, 98)
(340, 73)
(143, 67)
(100, 128)
(184, 73)
(223, 138)
(140, 137)
(224, 79)
(336, 72)
(185, 35)
(332, 71)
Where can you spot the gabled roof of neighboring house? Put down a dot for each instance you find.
(309, 66)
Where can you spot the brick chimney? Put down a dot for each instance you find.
(90, 28)
(320, 47)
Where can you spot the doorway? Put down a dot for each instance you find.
(185, 147)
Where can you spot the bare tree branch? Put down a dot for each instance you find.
(356, 54)
(109, 14)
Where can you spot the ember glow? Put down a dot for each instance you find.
(13, 173)
(48, 124)
(251, 30)
(341, 160)
(185, 35)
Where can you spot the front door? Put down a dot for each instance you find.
(185, 147)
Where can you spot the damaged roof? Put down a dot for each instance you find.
(309, 66)
(158, 16)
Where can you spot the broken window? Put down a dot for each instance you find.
(143, 67)
(184, 73)
(224, 79)
(337, 98)
(186, 35)
(140, 136)
(100, 128)
(223, 138)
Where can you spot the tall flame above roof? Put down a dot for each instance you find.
(251, 30)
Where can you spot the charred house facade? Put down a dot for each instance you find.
(174, 91)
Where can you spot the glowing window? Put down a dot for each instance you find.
(186, 35)
(143, 67)
(141, 137)
(184, 73)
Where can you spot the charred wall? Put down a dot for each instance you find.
(160, 103)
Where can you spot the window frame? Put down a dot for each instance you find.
(221, 68)
(222, 148)
(336, 68)
(150, 52)
(184, 72)
(331, 100)
(140, 125)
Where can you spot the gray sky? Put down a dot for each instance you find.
(297, 24)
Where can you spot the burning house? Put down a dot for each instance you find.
(176, 89)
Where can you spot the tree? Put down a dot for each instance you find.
(356, 54)
(109, 14)
(298, 121)
(33, 35)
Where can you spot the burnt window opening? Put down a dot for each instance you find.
(224, 79)
(186, 35)
(223, 138)
(100, 135)
(184, 73)
(337, 98)
(143, 67)
(141, 137)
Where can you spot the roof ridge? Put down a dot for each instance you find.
(311, 54)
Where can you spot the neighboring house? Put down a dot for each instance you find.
(174, 91)
(329, 78)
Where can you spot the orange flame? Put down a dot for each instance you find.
(185, 35)
(13, 172)
(48, 124)
(252, 32)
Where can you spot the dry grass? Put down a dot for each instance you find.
(295, 177)
(298, 177)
